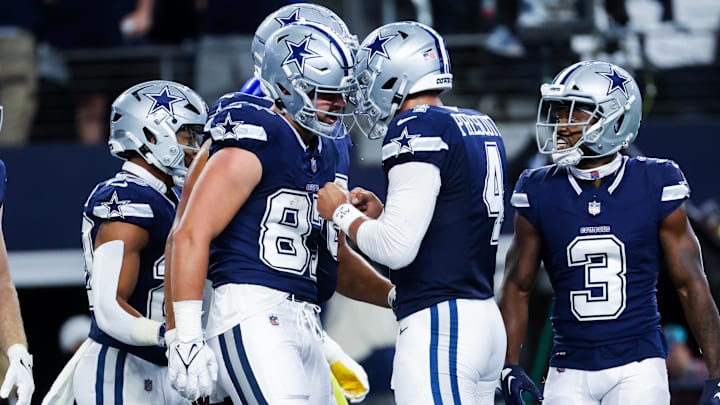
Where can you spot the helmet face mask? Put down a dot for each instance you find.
(307, 71)
(146, 119)
(394, 61)
(608, 99)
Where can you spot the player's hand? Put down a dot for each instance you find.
(350, 375)
(513, 381)
(367, 202)
(192, 368)
(19, 374)
(330, 197)
(711, 393)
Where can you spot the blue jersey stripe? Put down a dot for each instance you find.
(454, 350)
(237, 334)
(231, 371)
(119, 376)
(100, 375)
(434, 374)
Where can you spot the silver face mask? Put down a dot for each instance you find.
(146, 118)
(606, 93)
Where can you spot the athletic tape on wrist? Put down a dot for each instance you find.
(345, 215)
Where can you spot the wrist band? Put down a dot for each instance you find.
(188, 322)
(345, 215)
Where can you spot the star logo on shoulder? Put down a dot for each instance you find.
(299, 53)
(617, 81)
(228, 126)
(404, 142)
(114, 206)
(163, 101)
(293, 17)
(377, 46)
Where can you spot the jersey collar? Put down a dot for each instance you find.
(617, 167)
(144, 174)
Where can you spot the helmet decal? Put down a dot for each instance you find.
(617, 81)
(377, 46)
(163, 101)
(299, 52)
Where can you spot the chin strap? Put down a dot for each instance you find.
(567, 158)
(597, 172)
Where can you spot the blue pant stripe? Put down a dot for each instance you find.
(453, 351)
(259, 397)
(434, 373)
(119, 376)
(100, 375)
(230, 369)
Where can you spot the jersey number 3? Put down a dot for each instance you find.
(603, 260)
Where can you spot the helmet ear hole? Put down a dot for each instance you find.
(149, 136)
(618, 124)
(389, 84)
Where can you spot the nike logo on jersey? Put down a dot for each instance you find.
(403, 329)
(406, 119)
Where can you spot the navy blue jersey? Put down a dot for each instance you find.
(128, 198)
(3, 182)
(276, 238)
(457, 254)
(601, 250)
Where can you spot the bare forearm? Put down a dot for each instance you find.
(702, 317)
(11, 329)
(358, 280)
(189, 260)
(514, 308)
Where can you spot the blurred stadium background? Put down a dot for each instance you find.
(676, 61)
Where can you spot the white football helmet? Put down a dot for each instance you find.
(299, 12)
(394, 61)
(604, 91)
(146, 118)
(302, 61)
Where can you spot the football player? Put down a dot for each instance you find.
(126, 219)
(12, 334)
(439, 230)
(267, 241)
(354, 276)
(601, 223)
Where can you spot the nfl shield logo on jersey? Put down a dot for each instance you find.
(148, 385)
(593, 208)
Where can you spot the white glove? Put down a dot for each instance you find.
(192, 368)
(19, 374)
(350, 374)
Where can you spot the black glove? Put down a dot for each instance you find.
(513, 382)
(711, 393)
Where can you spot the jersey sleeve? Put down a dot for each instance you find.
(124, 202)
(521, 198)
(242, 125)
(674, 188)
(415, 136)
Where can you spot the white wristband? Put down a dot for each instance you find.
(188, 319)
(17, 351)
(345, 215)
(145, 332)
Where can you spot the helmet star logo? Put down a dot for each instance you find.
(163, 101)
(377, 46)
(228, 126)
(404, 142)
(114, 206)
(299, 53)
(617, 81)
(293, 17)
